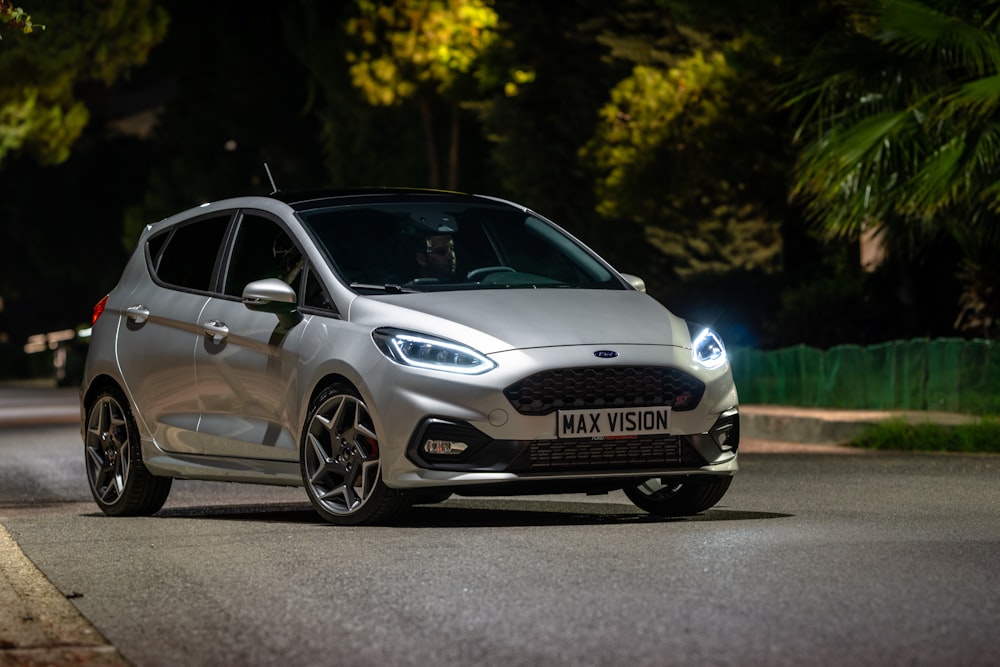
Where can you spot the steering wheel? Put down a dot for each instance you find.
(476, 275)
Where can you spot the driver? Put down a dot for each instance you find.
(434, 247)
(437, 257)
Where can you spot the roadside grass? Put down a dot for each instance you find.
(979, 437)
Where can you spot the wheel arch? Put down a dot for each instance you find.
(98, 385)
(324, 383)
(334, 373)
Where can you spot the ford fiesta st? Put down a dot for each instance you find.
(388, 347)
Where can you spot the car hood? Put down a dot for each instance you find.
(498, 320)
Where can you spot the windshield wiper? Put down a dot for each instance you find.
(388, 288)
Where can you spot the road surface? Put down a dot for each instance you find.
(821, 558)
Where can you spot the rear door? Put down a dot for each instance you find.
(160, 330)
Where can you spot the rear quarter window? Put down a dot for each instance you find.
(186, 255)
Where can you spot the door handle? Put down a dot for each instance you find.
(137, 313)
(216, 329)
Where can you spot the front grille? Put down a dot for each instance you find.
(605, 387)
(603, 455)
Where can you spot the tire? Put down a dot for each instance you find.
(341, 461)
(662, 497)
(118, 478)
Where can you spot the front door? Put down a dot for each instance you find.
(246, 361)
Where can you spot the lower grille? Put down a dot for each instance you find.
(601, 455)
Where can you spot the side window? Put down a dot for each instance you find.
(188, 260)
(262, 250)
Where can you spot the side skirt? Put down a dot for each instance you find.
(220, 468)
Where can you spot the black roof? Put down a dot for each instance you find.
(303, 200)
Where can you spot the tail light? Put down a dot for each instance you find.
(98, 309)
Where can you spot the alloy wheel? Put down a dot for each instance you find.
(109, 450)
(341, 455)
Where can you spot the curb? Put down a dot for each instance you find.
(38, 625)
(823, 426)
(35, 405)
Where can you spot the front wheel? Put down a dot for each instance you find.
(663, 497)
(118, 479)
(341, 461)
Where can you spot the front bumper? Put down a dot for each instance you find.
(476, 452)
(575, 465)
(500, 443)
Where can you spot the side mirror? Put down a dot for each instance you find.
(270, 296)
(635, 281)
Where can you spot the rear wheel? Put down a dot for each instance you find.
(118, 479)
(341, 461)
(664, 497)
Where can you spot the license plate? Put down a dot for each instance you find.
(612, 422)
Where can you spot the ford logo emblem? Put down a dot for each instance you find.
(605, 354)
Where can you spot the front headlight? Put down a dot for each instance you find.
(437, 354)
(707, 349)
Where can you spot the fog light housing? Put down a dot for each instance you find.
(726, 431)
(444, 447)
(442, 442)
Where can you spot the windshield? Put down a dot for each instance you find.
(443, 246)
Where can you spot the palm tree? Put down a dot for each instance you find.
(898, 116)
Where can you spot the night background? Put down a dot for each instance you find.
(793, 172)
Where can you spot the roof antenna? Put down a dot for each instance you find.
(274, 188)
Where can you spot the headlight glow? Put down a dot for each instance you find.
(708, 350)
(437, 354)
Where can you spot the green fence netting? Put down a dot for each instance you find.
(950, 374)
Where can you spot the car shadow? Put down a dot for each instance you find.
(468, 513)
(271, 513)
(473, 513)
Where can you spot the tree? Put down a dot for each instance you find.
(217, 126)
(95, 42)
(556, 78)
(688, 153)
(420, 49)
(660, 152)
(899, 119)
(17, 18)
(57, 213)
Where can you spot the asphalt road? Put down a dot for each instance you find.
(846, 559)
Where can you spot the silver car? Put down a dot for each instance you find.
(389, 347)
